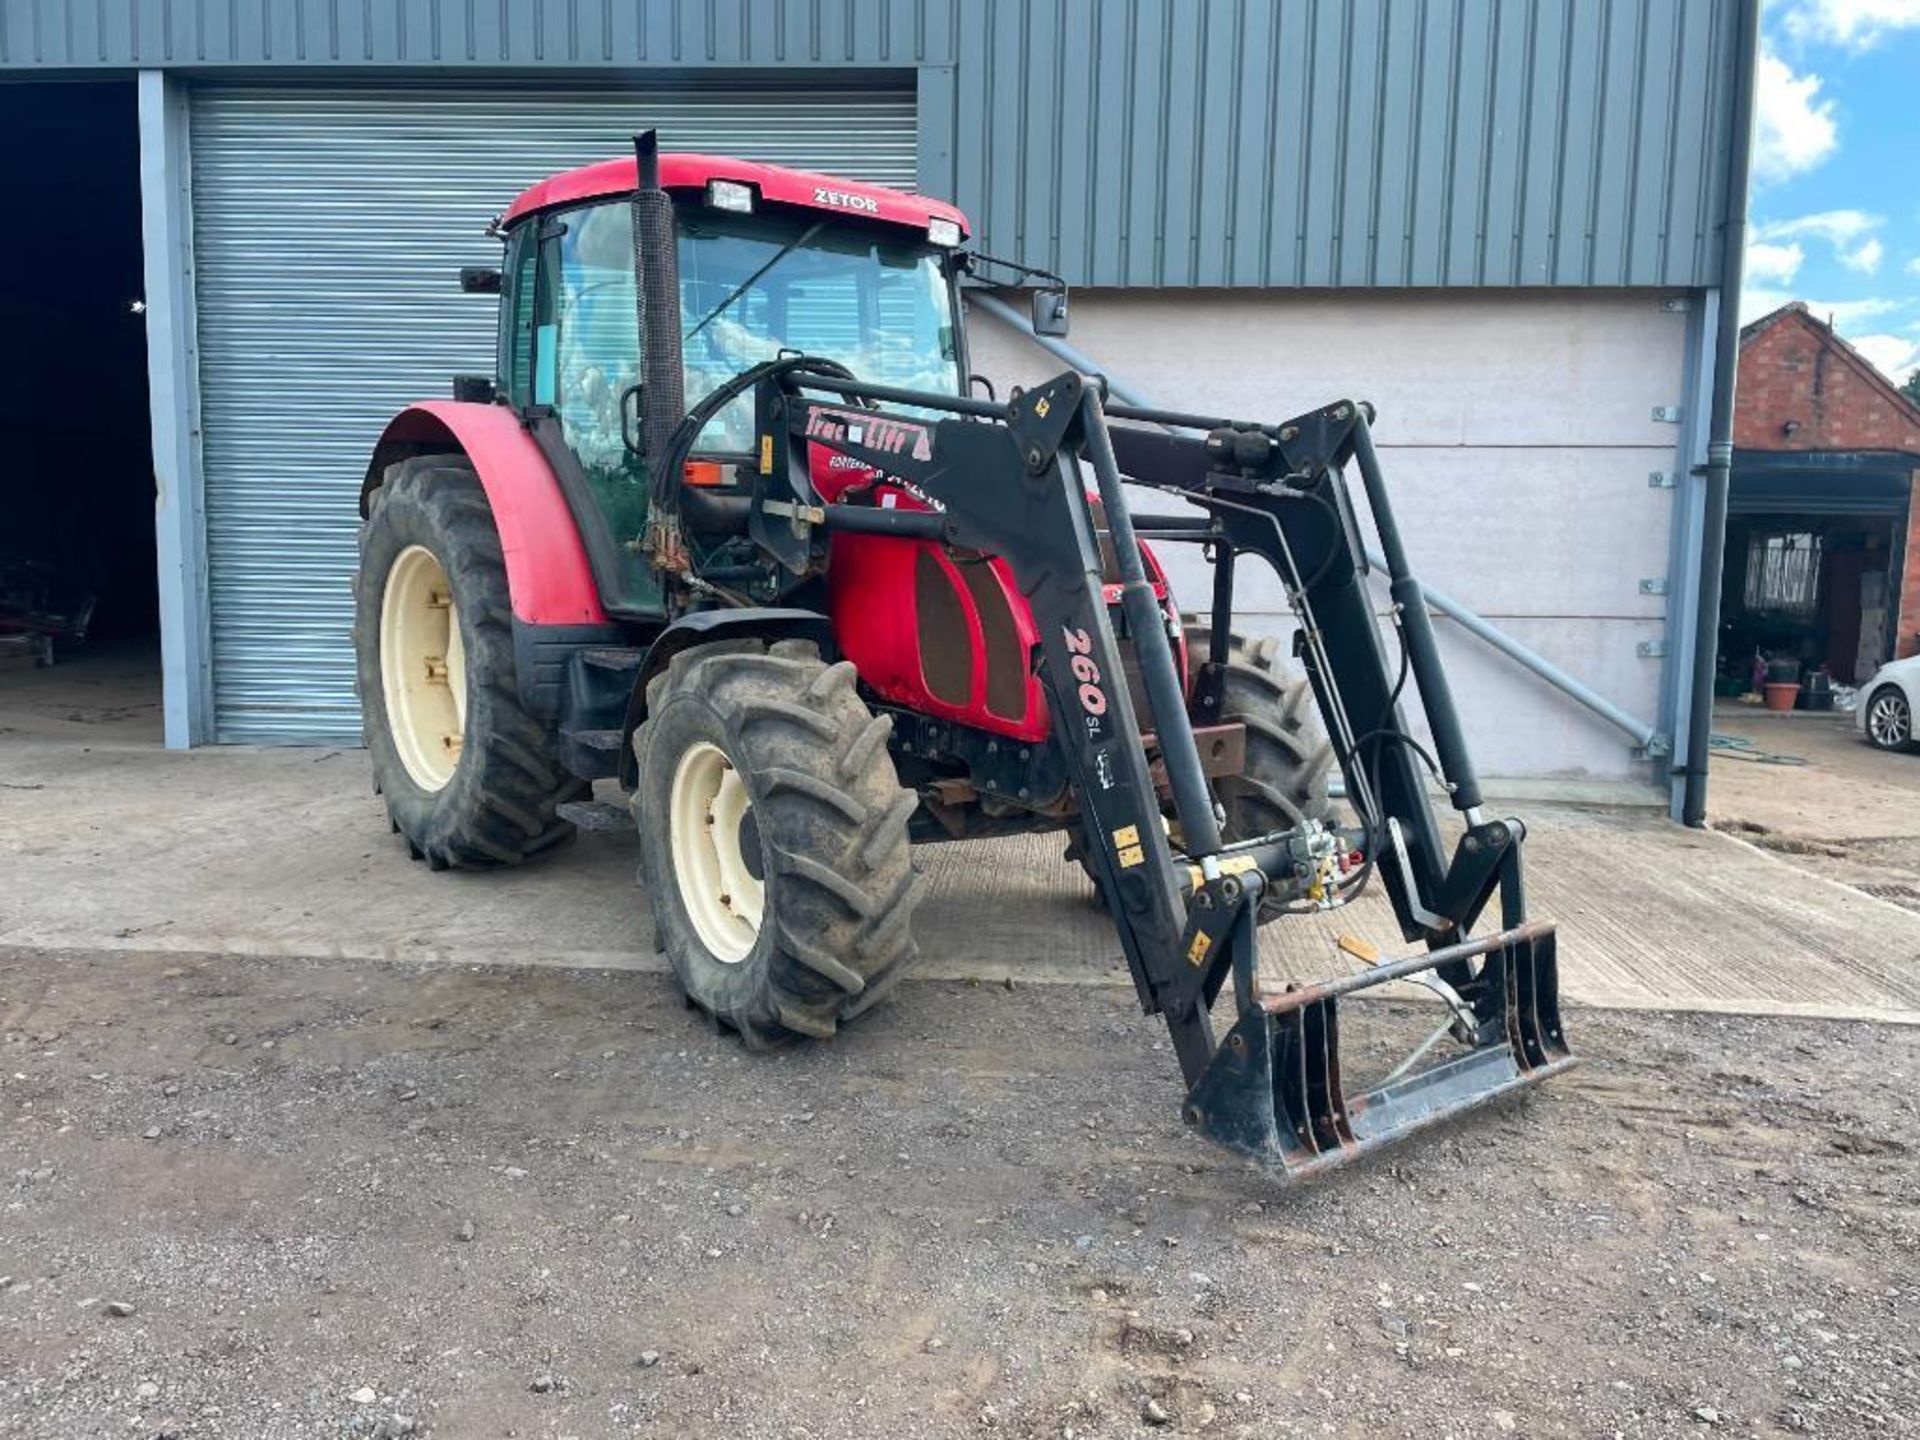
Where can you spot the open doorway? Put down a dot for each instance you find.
(1815, 592)
(79, 593)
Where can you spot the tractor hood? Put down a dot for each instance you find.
(775, 184)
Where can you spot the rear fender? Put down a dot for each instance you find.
(704, 627)
(547, 571)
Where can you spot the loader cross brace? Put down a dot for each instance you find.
(1007, 479)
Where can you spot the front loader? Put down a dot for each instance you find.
(840, 604)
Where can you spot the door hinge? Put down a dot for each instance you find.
(1676, 304)
(1654, 585)
(1669, 414)
(1650, 649)
(1662, 480)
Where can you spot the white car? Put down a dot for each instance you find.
(1887, 703)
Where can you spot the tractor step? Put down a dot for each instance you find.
(590, 754)
(1273, 1090)
(607, 741)
(614, 657)
(594, 814)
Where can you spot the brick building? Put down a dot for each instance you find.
(1823, 555)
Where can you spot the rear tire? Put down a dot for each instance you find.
(1288, 758)
(1284, 780)
(773, 839)
(470, 778)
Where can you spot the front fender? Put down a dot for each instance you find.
(548, 577)
(703, 627)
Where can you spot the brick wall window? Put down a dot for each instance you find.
(1783, 573)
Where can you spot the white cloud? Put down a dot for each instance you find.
(1864, 257)
(1845, 312)
(1758, 300)
(1773, 264)
(1849, 233)
(1892, 355)
(1857, 24)
(1795, 129)
(1836, 227)
(1913, 266)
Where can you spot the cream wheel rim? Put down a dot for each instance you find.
(423, 668)
(710, 826)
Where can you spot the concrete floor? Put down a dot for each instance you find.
(1811, 775)
(108, 841)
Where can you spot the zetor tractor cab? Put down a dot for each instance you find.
(735, 525)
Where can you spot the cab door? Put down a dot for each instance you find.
(570, 351)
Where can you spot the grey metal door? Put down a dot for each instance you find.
(329, 224)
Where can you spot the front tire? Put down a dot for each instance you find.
(1889, 719)
(470, 778)
(1284, 780)
(773, 839)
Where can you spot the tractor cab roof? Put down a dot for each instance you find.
(775, 183)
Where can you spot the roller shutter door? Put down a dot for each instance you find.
(329, 224)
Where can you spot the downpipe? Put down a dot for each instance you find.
(1719, 469)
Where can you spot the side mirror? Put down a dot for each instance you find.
(479, 280)
(1050, 312)
(632, 427)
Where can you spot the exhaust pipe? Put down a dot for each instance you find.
(663, 401)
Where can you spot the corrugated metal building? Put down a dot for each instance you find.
(1501, 222)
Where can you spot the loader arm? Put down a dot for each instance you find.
(1007, 479)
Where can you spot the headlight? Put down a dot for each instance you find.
(730, 195)
(944, 232)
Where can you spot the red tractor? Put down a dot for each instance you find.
(846, 600)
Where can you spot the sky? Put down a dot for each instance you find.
(1834, 214)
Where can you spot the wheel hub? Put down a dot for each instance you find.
(1890, 721)
(749, 842)
(423, 669)
(716, 852)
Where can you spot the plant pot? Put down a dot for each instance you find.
(1782, 693)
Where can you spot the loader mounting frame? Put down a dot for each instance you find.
(1007, 479)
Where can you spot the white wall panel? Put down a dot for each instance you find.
(1516, 432)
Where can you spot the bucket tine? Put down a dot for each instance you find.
(1273, 1091)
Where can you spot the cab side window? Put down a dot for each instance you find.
(515, 361)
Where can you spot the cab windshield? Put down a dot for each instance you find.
(751, 286)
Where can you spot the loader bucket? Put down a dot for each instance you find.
(1273, 1089)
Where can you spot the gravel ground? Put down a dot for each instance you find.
(262, 1199)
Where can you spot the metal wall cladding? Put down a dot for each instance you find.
(1140, 142)
(680, 33)
(1341, 142)
(329, 226)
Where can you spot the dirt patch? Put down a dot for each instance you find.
(1841, 810)
(359, 1200)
